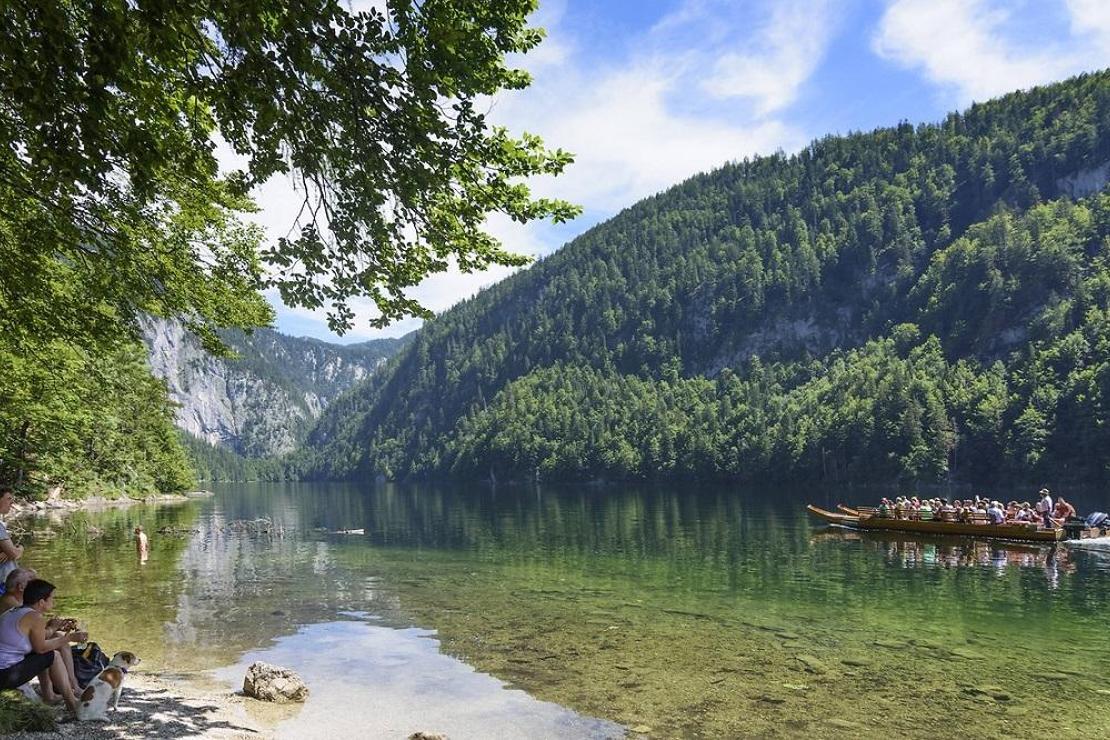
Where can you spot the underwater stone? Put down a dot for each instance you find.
(812, 664)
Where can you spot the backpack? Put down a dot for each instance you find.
(88, 661)
(1096, 519)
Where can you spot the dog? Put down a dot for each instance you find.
(107, 686)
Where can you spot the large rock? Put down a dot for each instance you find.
(274, 683)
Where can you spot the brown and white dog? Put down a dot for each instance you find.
(107, 686)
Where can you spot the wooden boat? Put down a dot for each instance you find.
(994, 531)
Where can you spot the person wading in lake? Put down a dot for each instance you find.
(10, 551)
(142, 544)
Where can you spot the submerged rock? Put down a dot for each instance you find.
(1051, 676)
(427, 736)
(812, 664)
(856, 662)
(274, 683)
(891, 644)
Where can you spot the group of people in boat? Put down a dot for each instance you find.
(1044, 513)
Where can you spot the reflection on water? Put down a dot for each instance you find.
(691, 611)
(411, 686)
(906, 551)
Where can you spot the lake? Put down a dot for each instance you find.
(594, 611)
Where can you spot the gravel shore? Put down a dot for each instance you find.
(157, 705)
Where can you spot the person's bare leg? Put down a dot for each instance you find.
(61, 683)
(67, 658)
(46, 688)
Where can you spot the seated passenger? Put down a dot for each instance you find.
(925, 513)
(884, 508)
(900, 508)
(1062, 512)
(995, 513)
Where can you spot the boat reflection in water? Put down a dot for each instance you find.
(947, 552)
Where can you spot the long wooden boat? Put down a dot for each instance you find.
(993, 531)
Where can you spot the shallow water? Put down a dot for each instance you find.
(675, 612)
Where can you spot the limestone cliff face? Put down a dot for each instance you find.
(262, 402)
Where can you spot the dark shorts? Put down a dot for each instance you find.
(32, 665)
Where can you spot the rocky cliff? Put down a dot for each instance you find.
(262, 402)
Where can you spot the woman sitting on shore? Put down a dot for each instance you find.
(14, 586)
(26, 651)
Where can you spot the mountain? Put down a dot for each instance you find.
(917, 302)
(262, 402)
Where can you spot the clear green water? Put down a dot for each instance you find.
(691, 612)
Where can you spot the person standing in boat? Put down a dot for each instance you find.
(1044, 508)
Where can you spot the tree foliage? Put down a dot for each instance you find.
(109, 177)
(91, 424)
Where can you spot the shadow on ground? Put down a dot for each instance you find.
(162, 712)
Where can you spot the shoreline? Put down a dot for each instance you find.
(167, 705)
(158, 703)
(23, 508)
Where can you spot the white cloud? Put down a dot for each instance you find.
(640, 123)
(963, 45)
(627, 141)
(636, 115)
(785, 53)
(1092, 17)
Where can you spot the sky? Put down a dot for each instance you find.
(646, 93)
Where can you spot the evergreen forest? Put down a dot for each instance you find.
(916, 303)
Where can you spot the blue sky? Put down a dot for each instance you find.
(648, 93)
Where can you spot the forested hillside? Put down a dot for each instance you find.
(918, 302)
